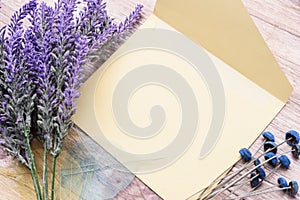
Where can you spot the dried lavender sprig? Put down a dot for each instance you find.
(63, 50)
(17, 94)
(92, 20)
(91, 34)
(2, 49)
(18, 105)
(14, 89)
(39, 37)
(62, 60)
(131, 20)
(95, 23)
(60, 51)
(18, 16)
(95, 11)
(112, 32)
(45, 37)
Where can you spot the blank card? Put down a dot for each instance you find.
(176, 102)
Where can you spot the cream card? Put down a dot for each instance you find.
(172, 112)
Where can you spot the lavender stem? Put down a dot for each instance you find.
(53, 176)
(33, 170)
(45, 174)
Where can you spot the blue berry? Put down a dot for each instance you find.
(246, 154)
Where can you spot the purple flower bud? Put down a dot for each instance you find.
(43, 66)
(47, 136)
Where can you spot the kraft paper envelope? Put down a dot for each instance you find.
(175, 103)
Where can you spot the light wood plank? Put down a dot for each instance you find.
(283, 14)
(278, 22)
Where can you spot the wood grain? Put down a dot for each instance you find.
(278, 22)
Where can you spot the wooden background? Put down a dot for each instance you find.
(279, 23)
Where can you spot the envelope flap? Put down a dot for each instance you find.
(225, 29)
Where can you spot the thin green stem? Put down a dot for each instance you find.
(45, 174)
(53, 176)
(35, 185)
(33, 170)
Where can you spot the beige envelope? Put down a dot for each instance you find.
(225, 29)
(175, 103)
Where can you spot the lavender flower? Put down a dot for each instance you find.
(16, 19)
(17, 94)
(16, 89)
(39, 38)
(2, 50)
(131, 20)
(94, 20)
(66, 69)
(95, 23)
(65, 49)
(41, 71)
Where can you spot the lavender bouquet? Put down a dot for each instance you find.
(41, 71)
